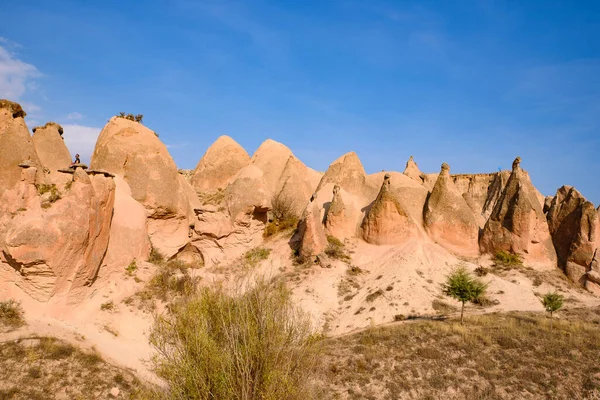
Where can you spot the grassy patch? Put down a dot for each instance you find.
(131, 268)
(11, 314)
(54, 194)
(108, 306)
(255, 256)
(156, 257)
(495, 356)
(42, 367)
(336, 249)
(284, 218)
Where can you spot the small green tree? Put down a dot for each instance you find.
(552, 302)
(463, 287)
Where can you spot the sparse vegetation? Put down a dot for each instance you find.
(52, 197)
(131, 268)
(213, 198)
(45, 368)
(505, 261)
(131, 117)
(108, 306)
(247, 346)
(336, 249)
(11, 314)
(156, 257)
(552, 302)
(461, 286)
(255, 256)
(284, 217)
(499, 356)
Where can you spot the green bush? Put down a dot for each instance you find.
(507, 260)
(284, 217)
(131, 268)
(254, 345)
(461, 286)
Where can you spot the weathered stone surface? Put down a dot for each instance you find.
(448, 218)
(56, 250)
(311, 230)
(517, 223)
(128, 231)
(221, 162)
(296, 184)
(574, 226)
(128, 149)
(16, 146)
(387, 222)
(412, 170)
(335, 219)
(52, 152)
(347, 172)
(248, 195)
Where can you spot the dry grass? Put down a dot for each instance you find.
(213, 198)
(336, 249)
(253, 257)
(494, 356)
(11, 315)
(42, 367)
(284, 218)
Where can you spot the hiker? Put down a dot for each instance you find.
(77, 160)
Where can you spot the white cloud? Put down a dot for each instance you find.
(74, 115)
(81, 140)
(15, 75)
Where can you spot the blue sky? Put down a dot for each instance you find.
(470, 83)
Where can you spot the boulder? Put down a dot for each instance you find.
(52, 152)
(221, 162)
(448, 218)
(16, 146)
(387, 222)
(573, 224)
(517, 224)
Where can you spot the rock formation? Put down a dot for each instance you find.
(412, 170)
(16, 145)
(296, 184)
(347, 172)
(335, 219)
(387, 222)
(573, 224)
(311, 231)
(134, 152)
(517, 224)
(448, 218)
(221, 162)
(56, 249)
(52, 152)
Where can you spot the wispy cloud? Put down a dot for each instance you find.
(81, 140)
(74, 116)
(16, 76)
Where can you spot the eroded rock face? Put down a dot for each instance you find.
(16, 146)
(449, 219)
(573, 224)
(387, 222)
(221, 162)
(347, 172)
(335, 219)
(130, 150)
(412, 170)
(52, 152)
(311, 231)
(517, 223)
(56, 249)
(296, 184)
(128, 232)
